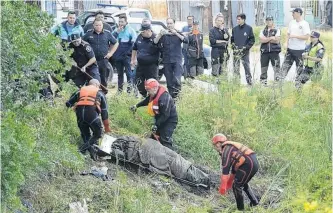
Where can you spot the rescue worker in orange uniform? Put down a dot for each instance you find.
(88, 103)
(162, 107)
(243, 164)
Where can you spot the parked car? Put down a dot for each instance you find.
(115, 11)
(133, 13)
(107, 18)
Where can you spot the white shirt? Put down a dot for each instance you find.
(298, 28)
(278, 33)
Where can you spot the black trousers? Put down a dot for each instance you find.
(88, 121)
(242, 177)
(243, 56)
(220, 59)
(265, 58)
(186, 68)
(79, 78)
(173, 73)
(196, 67)
(143, 73)
(105, 69)
(313, 73)
(291, 57)
(165, 132)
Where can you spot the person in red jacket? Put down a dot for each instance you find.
(243, 164)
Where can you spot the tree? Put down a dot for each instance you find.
(29, 52)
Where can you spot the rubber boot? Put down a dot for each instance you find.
(93, 153)
(84, 147)
(238, 192)
(250, 195)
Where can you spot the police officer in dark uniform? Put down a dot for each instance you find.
(104, 45)
(99, 14)
(162, 107)
(170, 44)
(270, 49)
(242, 40)
(218, 38)
(85, 61)
(88, 103)
(313, 55)
(145, 54)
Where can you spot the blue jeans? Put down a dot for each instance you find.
(124, 66)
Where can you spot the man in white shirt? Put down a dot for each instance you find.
(298, 34)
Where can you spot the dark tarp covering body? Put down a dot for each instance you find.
(158, 158)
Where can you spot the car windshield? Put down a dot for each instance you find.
(83, 16)
(135, 26)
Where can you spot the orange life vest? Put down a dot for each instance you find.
(88, 97)
(153, 108)
(238, 156)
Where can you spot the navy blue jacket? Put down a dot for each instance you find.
(100, 42)
(82, 54)
(171, 48)
(147, 51)
(242, 36)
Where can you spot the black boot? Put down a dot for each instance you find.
(84, 147)
(250, 195)
(238, 192)
(93, 153)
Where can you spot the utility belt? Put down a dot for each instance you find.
(97, 105)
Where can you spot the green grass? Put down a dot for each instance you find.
(290, 131)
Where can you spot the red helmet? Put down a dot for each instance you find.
(219, 138)
(151, 83)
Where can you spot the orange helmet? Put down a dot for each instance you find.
(219, 138)
(151, 83)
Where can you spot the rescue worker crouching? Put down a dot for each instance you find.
(84, 61)
(88, 103)
(162, 107)
(242, 162)
(195, 51)
(314, 53)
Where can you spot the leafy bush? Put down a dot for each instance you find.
(35, 136)
(29, 52)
